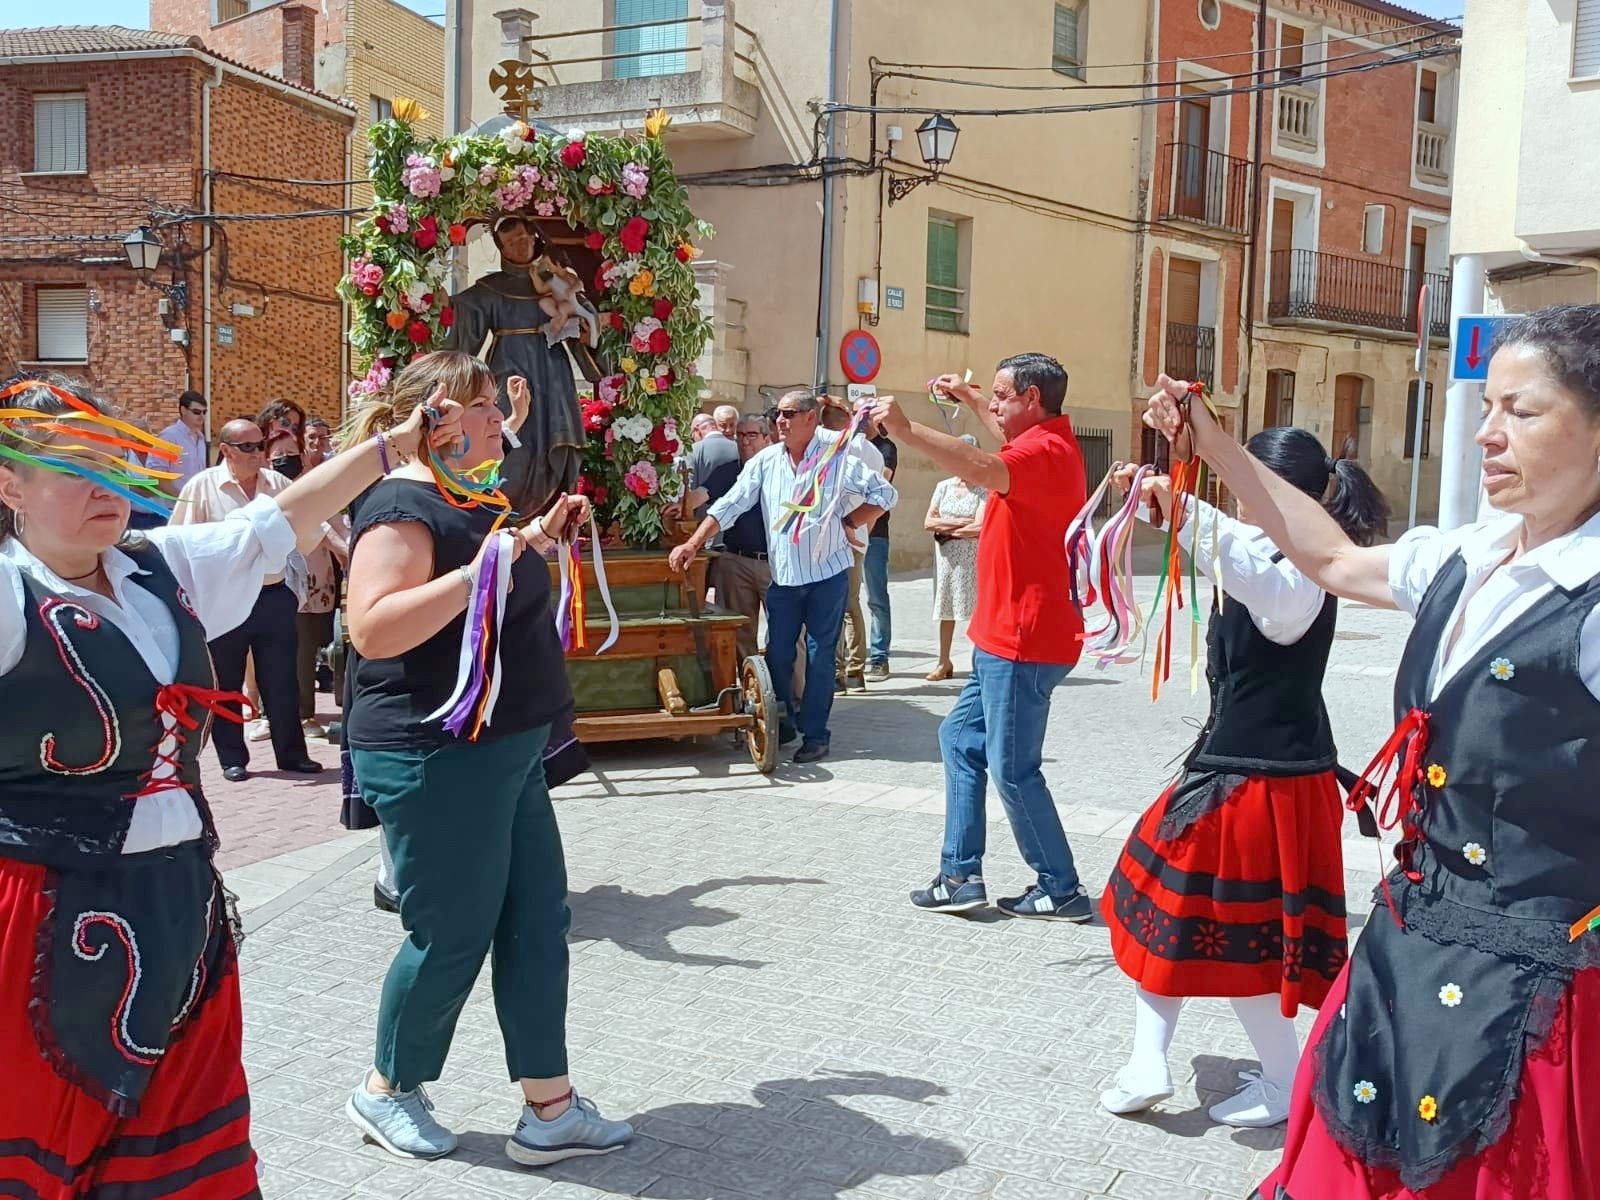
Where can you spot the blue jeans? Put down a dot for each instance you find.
(877, 580)
(819, 607)
(997, 727)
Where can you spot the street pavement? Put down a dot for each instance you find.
(750, 986)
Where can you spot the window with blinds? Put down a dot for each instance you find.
(658, 38)
(60, 134)
(63, 324)
(1066, 54)
(946, 299)
(380, 109)
(1411, 419)
(1586, 40)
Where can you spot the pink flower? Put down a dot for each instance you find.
(487, 175)
(598, 187)
(609, 389)
(635, 180)
(366, 274)
(545, 209)
(399, 218)
(641, 480)
(420, 175)
(642, 333)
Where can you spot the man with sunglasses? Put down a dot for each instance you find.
(811, 571)
(269, 634)
(188, 433)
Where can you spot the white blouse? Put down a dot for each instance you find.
(220, 565)
(1495, 596)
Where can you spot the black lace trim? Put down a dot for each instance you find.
(1197, 795)
(1516, 939)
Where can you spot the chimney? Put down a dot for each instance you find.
(300, 44)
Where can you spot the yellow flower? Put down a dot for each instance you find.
(1436, 776)
(408, 110)
(649, 384)
(1428, 1109)
(643, 284)
(628, 366)
(656, 123)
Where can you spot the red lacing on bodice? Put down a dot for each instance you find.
(174, 700)
(1401, 802)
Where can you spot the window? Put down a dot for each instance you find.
(946, 300)
(1280, 397)
(1586, 40)
(656, 37)
(1210, 13)
(63, 324)
(1428, 97)
(1066, 55)
(228, 10)
(381, 110)
(1411, 419)
(1372, 225)
(60, 137)
(1291, 51)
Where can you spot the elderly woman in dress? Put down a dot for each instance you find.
(955, 517)
(119, 998)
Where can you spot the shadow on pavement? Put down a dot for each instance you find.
(795, 1141)
(644, 924)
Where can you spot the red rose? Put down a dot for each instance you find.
(418, 332)
(595, 241)
(663, 445)
(458, 234)
(426, 234)
(685, 252)
(383, 224)
(369, 290)
(633, 235)
(572, 155)
(447, 317)
(663, 309)
(660, 342)
(598, 496)
(618, 322)
(600, 275)
(665, 380)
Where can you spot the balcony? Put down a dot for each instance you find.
(1433, 153)
(1192, 353)
(1298, 126)
(724, 364)
(1202, 186)
(1312, 287)
(607, 77)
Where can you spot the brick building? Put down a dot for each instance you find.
(364, 52)
(1342, 218)
(105, 129)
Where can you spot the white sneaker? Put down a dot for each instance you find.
(1260, 1104)
(258, 731)
(313, 728)
(1129, 1093)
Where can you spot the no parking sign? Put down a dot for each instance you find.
(859, 356)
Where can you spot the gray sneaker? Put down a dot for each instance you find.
(579, 1131)
(877, 672)
(401, 1123)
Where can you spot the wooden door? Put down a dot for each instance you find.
(1280, 399)
(1282, 256)
(1347, 390)
(1416, 271)
(1193, 153)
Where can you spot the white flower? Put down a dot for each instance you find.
(576, 135)
(1475, 854)
(1502, 669)
(1450, 995)
(416, 296)
(1365, 1092)
(636, 428)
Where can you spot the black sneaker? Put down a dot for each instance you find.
(384, 900)
(811, 752)
(1036, 902)
(951, 895)
(786, 733)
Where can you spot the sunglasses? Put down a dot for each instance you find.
(194, 408)
(786, 414)
(247, 447)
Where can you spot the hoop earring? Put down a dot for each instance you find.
(16, 524)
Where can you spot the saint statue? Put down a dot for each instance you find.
(533, 314)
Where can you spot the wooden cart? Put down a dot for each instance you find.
(674, 671)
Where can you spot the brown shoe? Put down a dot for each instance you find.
(940, 673)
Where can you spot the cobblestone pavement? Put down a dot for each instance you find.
(751, 988)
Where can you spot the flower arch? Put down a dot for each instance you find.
(613, 203)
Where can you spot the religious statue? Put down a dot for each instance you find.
(533, 314)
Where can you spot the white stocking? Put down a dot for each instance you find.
(1272, 1034)
(385, 865)
(1155, 1020)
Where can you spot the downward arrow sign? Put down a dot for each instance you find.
(1473, 357)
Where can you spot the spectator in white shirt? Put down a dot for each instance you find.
(188, 433)
(850, 661)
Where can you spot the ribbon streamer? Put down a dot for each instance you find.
(814, 477)
(571, 613)
(1100, 567)
(477, 684)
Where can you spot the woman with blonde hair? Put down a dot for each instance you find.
(468, 823)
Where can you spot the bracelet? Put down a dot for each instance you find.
(468, 579)
(383, 451)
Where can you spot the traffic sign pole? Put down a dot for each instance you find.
(1459, 464)
(1422, 403)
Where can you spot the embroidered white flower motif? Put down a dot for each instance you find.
(1365, 1092)
(1475, 854)
(1341, 1012)
(1502, 669)
(1450, 995)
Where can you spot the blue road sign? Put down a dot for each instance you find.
(1469, 350)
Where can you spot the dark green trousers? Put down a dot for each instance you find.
(479, 867)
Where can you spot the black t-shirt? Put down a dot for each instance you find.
(392, 697)
(748, 533)
(891, 462)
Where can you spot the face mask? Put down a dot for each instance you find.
(288, 466)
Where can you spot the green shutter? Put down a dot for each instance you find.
(663, 37)
(1067, 51)
(944, 269)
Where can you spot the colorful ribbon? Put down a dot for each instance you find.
(570, 605)
(1585, 923)
(1100, 565)
(472, 488)
(477, 683)
(813, 483)
(1398, 804)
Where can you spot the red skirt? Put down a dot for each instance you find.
(191, 1137)
(1234, 887)
(1551, 1150)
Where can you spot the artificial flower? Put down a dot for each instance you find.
(397, 220)
(417, 297)
(572, 154)
(1502, 669)
(642, 332)
(1450, 995)
(421, 176)
(366, 275)
(396, 319)
(643, 284)
(458, 234)
(609, 389)
(649, 385)
(664, 440)
(633, 234)
(1428, 1108)
(516, 138)
(636, 180)
(660, 342)
(1436, 776)
(1475, 854)
(488, 174)
(663, 309)
(641, 480)
(628, 365)
(656, 123)
(426, 234)
(687, 253)
(595, 241)
(418, 332)
(408, 110)
(1365, 1092)
(664, 380)
(617, 321)
(599, 187)
(447, 317)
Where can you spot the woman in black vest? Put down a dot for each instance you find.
(1459, 1055)
(1233, 882)
(119, 1001)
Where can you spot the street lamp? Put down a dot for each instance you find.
(936, 138)
(144, 249)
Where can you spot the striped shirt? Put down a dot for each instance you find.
(770, 479)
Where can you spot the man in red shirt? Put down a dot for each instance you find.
(1026, 633)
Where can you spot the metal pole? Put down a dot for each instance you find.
(1422, 403)
(1459, 459)
(819, 369)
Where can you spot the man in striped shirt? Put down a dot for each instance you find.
(810, 573)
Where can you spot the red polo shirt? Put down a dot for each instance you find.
(1025, 610)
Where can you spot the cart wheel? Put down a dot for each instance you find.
(761, 703)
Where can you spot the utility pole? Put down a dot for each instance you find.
(1251, 257)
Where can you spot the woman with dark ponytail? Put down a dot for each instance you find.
(1232, 884)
